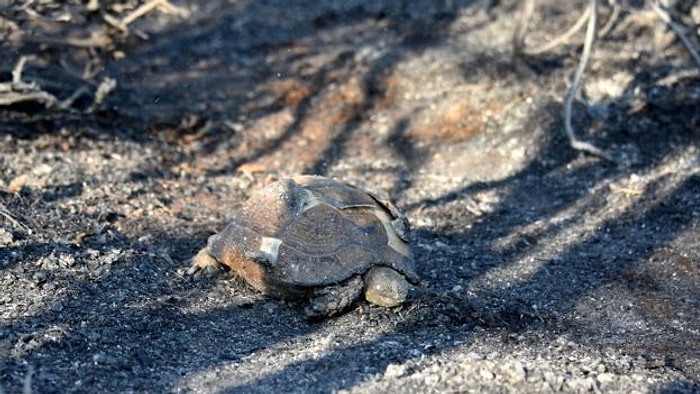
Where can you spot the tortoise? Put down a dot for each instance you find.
(317, 238)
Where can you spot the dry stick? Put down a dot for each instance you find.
(674, 78)
(7, 215)
(142, 10)
(588, 43)
(19, 91)
(103, 90)
(676, 29)
(19, 68)
(521, 28)
(614, 15)
(68, 102)
(562, 37)
(96, 40)
(9, 96)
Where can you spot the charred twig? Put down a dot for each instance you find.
(164, 5)
(614, 15)
(147, 7)
(526, 15)
(68, 102)
(521, 28)
(589, 16)
(678, 29)
(18, 91)
(4, 212)
(95, 41)
(101, 38)
(103, 90)
(562, 38)
(674, 77)
(571, 94)
(18, 69)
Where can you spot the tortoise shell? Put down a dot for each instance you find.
(306, 232)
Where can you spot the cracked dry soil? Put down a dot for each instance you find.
(546, 270)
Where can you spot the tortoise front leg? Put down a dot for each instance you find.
(331, 300)
(204, 262)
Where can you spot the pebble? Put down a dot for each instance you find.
(394, 371)
(6, 237)
(515, 371)
(486, 374)
(605, 378)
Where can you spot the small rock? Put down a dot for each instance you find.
(100, 359)
(57, 307)
(66, 260)
(515, 371)
(605, 378)
(271, 307)
(40, 278)
(486, 374)
(415, 353)
(394, 371)
(474, 356)
(468, 369)
(112, 256)
(601, 368)
(6, 237)
(431, 380)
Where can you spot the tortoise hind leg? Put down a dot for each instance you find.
(332, 300)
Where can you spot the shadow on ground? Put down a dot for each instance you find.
(114, 313)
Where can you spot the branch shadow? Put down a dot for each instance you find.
(546, 300)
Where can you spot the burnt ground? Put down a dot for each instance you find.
(545, 269)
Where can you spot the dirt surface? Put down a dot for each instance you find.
(545, 269)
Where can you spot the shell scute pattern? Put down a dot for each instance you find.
(314, 236)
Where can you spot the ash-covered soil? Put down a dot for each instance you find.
(545, 269)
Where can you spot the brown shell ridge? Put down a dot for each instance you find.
(384, 216)
(338, 194)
